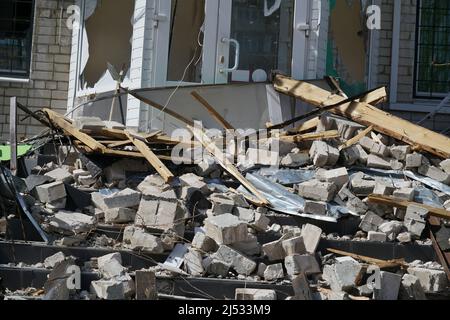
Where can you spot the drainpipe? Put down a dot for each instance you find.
(395, 55)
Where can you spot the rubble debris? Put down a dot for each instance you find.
(353, 174)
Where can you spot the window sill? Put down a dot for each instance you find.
(419, 106)
(14, 80)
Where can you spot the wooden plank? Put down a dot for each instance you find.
(69, 129)
(127, 154)
(440, 256)
(160, 107)
(311, 136)
(367, 115)
(118, 144)
(383, 264)
(403, 204)
(151, 157)
(355, 139)
(217, 116)
(225, 163)
(307, 125)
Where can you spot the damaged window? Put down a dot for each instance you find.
(16, 31)
(264, 35)
(108, 36)
(186, 38)
(433, 49)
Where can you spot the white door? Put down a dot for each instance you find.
(224, 41)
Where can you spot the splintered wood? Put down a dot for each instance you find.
(368, 115)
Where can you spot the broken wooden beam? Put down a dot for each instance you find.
(355, 139)
(225, 163)
(383, 264)
(217, 116)
(311, 136)
(403, 204)
(367, 115)
(64, 124)
(138, 141)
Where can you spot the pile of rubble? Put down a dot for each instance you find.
(341, 170)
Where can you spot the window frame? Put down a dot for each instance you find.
(431, 95)
(23, 77)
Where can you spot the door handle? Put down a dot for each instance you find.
(237, 54)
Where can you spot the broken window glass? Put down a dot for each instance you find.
(186, 38)
(265, 41)
(16, 31)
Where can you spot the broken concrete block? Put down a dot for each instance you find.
(416, 220)
(216, 267)
(344, 275)
(374, 161)
(301, 287)
(138, 239)
(204, 243)
(226, 229)
(80, 173)
(221, 204)
(120, 215)
(337, 176)
(392, 229)
(383, 189)
(414, 160)
(380, 150)
(431, 280)
(396, 165)
(250, 247)
(405, 194)
(262, 157)
(60, 174)
(311, 235)
(98, 201)
(110, 265)
(371, 222)
(274, 272)
(120, 288)
(404, 237)
(239, 262)
(377, 236)
(127, 198)
(51, 192)
(295, 160)
(274, 250)
(389, 286)
(261, 222)
(146, 285)
(293, 246)
(445, 166)
(161, 215)
(347, 129)
(400, 152)
(255, 294)
(52, 261)
(367, 143)
(411, 288)
(323, 155)
(193, 262)
(194, 181)
(316, 207)
(88, 123)
(297, 264)
(316, 190)
(86, 180)
(361, 186)
(72, 222)
(33, 181)
(434, 173)
(246, 215)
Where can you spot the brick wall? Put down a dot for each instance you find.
(49, 70)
